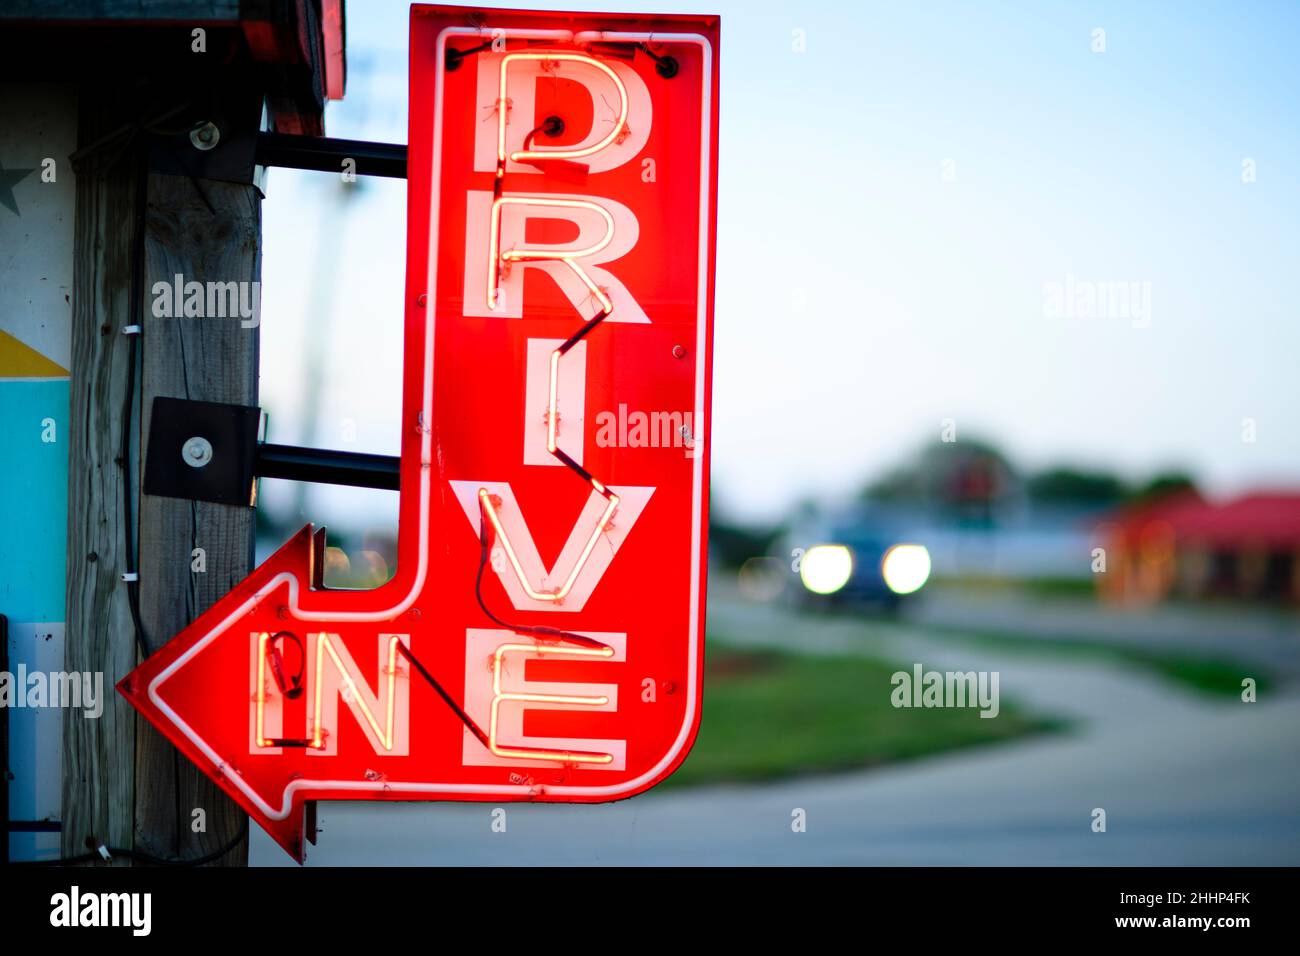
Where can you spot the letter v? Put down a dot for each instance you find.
(632, 501)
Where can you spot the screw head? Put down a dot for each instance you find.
(197, 452)
(205, 136)
(679, 352)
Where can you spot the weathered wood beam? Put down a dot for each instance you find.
(98, 785)
(207, 232)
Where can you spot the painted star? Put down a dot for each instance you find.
(9, 178)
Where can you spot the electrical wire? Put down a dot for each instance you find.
(552, 126)
(465, 718)
(141, 857)
(531, 630)
(539, 630)
(136, 307)
(130, 555)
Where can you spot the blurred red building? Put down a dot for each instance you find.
(1181, 545)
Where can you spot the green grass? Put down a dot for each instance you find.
(1215, 676)
(1037, 587)
(769, 715)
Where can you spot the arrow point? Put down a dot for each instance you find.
(302, 556)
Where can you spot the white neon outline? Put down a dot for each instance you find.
(262, 740)
(519, 751)
(553, 405)
(612, 791)
(562, 152)
(568, 256)
(323, 645)
(602, 523)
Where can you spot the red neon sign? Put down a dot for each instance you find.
(542, 638)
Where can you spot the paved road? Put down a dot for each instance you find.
(1184, 779)
(1269, 636)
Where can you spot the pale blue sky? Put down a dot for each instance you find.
(861, 297)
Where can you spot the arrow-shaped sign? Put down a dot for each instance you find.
(542, 635)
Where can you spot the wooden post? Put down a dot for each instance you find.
(98, 786)
(192, 552)
(124, 784)
(147, 73)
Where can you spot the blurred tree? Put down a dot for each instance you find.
(1164, 483)
(966, 480)
(902, 484)
(1064, 484)
(731, 545)
(733, 542)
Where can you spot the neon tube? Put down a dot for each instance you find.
(503, 103)
(558, 595)
(567, 256)
(538, 753)
(323, 644)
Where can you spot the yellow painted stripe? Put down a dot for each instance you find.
(18, 360)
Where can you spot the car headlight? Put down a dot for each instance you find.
(905, 568)
(826, 568)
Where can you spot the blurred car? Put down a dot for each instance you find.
(861, 563)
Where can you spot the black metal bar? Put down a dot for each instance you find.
(328, 467)
(35, 826)
(327, 155)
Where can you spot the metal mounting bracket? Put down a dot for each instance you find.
(208, 451)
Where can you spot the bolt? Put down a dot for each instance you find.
(679, 352)
(197, 452)
(205, 136)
